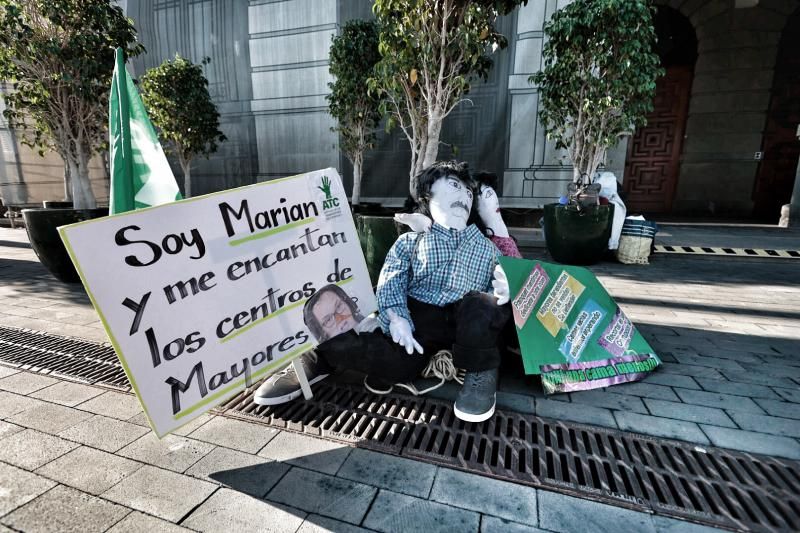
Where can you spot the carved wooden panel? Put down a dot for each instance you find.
(653, 160)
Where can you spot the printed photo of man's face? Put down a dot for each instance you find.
(331, 312)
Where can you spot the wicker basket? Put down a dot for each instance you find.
(636, 242)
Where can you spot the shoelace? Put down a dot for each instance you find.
(311, 355)
(440, 366)
(477, 379)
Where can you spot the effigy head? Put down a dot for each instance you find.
(445, 192)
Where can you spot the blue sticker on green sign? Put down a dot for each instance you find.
(581, 331)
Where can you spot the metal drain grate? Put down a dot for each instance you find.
(738, 252)
(710, 486)
(706, 485)
(73, 359)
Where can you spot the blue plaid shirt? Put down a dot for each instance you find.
(437, 268)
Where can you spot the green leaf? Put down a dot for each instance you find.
(61, 52)
(177, 100)
(599, 64)
(411, 49)
(353, 101)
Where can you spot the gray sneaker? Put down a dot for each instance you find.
(284, 386)
(475, 401)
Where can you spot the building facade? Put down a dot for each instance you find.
(722, 139)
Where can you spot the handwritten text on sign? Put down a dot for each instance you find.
(203, 296)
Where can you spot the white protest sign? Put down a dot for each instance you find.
(205, 296)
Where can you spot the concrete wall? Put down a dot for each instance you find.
(269, 73)
(730, 96)
(28, 178)
(289, 44)
(217, 29)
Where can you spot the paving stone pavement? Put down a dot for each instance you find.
(58, 479)
(727, 330)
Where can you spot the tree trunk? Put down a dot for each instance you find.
(82, 194)
(412, 175)
(432, 147)
(357, 163)
(427, 151)
(67, 183)
(576, 173)
(417, 160)
(186, 166)
(106, 165)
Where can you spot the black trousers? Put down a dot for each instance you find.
(470, 328)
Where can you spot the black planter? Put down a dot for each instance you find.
(370, 208)
(377, 235)
(577, 237)
(57, 204)
(42, 227)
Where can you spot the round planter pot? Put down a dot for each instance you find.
(42, 229)
(577, 237)
(377, 235)
(369, 209)
(57, 204)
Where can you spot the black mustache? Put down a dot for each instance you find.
(460, 204)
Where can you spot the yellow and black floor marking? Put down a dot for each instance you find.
(738, 252)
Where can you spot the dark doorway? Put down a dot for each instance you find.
(654, 151)
(780, 147)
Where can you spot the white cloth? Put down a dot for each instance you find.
(500, 284)
(418, 222)
(402, 334)
(608, 189)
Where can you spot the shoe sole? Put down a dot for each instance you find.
(470, 417)
(278, 400)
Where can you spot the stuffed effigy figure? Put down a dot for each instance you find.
(438, 290)
(489, 211)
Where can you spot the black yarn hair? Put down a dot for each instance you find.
(442, 169)
(483, 177)
(490, 179)
(311, 321)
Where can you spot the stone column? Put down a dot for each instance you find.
(794, 206)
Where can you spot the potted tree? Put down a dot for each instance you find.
(58, 56)
(353, 55)
(176, 97)
(430, 54)
(597, 85)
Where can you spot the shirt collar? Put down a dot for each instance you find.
(468, 233)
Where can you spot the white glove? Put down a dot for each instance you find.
(500, 285)
(367, 325)
(401, 333)
(416, 221)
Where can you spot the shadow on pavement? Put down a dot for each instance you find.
(706, 307)
(14, 244)
(724, 272)
(302, 493)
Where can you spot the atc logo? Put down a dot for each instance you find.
(330, 201)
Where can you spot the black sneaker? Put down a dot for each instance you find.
(284, 386)
(476, 400)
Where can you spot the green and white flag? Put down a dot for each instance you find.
(140, 174)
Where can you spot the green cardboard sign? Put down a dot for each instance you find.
(571, 331)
